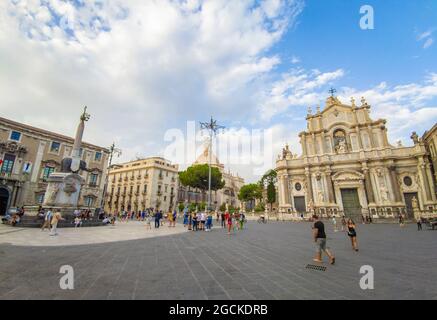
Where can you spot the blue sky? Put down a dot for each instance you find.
(146, 67)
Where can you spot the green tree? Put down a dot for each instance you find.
(269, 179)
(196, 177)
(249, 193)
(181, 207)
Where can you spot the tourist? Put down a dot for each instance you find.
(228, 218)
(195, 222)
(55, 220)
(175, 217)
(202, 221)
(401, 220)
(190, 221)
(185, 218)
(157, 219)
(47, 219)
(334, 222)
(352, 233)
(320, 240)
(208, 222)
(343, 223)
(170, 219)
(149, 222)
(77, 222)
(419, 224)
(242, 220)
(223, 220)
(363, 218)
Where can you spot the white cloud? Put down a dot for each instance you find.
(141, 66)
(428, 43)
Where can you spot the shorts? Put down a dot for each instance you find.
(320, 245)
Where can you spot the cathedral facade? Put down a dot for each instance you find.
(348, 167)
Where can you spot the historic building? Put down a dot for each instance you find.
(349, 167)
(227, 195)
(142, 184)
(28, 155)
(430, 140)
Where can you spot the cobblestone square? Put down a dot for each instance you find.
(262, 262)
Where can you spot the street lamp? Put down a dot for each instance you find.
(212, 128)
(112, 151)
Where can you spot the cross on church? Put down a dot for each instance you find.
(332, 91)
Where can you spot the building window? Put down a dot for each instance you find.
(55, 147)
(40, 198)
(98, 157)
(408, 181)
(93, 179)
(8, 163)
(145, 188)
(15, 135)
(89, 201)
(47, 171)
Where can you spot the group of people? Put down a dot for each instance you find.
(319, 236)
(203, 221)
(14, 218)
(51, 221)
(198, 221)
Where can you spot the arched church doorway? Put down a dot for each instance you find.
(4, 199)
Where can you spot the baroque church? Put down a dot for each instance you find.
(348, 167)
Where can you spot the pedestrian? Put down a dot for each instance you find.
(170, 219)
(223, 220)
(419, 224)
(175, 217)
(343, 223)
(157, 219)
(202, 221)
(363, 218)
(149, 222)
(334, 222)
(208, 225)
(47, 220)
(228, 218)
(242, 220)
(352, 233)
(185, 218)
(194, 218)
(319, 236)
(190, 221)
(55, 220)
(401, 220)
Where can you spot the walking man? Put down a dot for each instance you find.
(319, 236)
(419, 224)
(55, 219)
(157, 219)
(47, 218)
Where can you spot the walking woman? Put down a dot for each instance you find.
(229, 221)
(352, 233)
(343, 223)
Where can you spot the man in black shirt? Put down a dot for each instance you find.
(320, 240)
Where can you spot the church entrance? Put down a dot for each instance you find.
(351, 203)
(409, 203)
(4, 199)
(299, 204)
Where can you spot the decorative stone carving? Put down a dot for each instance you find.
(415, 137)
(12, 147)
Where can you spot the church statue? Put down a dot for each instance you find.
(415, 137)
(74, 163)
(321, 196)
(414, 204)
(311, 205)
(342, 146)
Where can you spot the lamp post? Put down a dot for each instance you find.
(212, 128)
(112, 151)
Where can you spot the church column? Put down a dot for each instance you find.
(357, 129)
(309, 186)
(430, 181)
(424, 179)
(370, 133)
(385, 137)
(330, 187)
(369, 188)
(314, 144)
(395, 184)
(285, 190)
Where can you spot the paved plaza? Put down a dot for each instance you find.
(261, 262)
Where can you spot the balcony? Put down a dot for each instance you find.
(139, 177)
(159, 193)
(92, 185)
(160, 177)
(126, 179)
(120, 179)
(146, 176)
